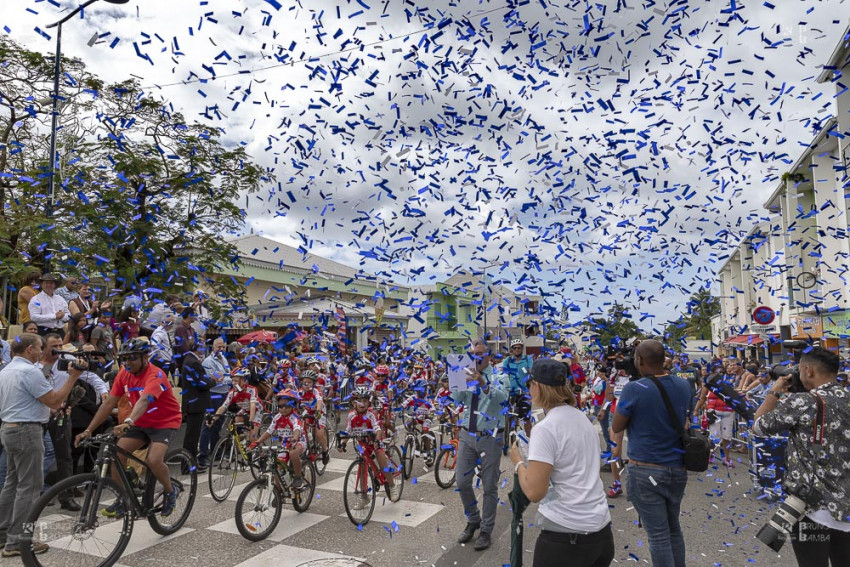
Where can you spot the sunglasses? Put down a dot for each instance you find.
(516, 347)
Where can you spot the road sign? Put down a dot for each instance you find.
(764, 315)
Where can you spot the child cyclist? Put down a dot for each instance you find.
(287, 426)
(418, 410)
(361, 419)
(243, 400)
(313, 405)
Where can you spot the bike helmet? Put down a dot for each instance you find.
(240, 372)
(134, 346)
(418, 365)
(312, 360)
(363, 364)
(309, 375)
(517, 342)
(361, 392)
(289, 394)
(286, 363)
(382, 370)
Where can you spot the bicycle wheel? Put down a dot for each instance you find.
(184, 477)
(444, 468)
(301, 500)
(222, 477)
(318, 463)
(358, 493)
(394, 468)
(73, 539)
(258, 510)
(408, 454)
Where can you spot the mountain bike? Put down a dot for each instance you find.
(229, 457)
(364, 477)
(95, 536)
(444, 466)
(259, 506)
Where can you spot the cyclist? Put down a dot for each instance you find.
(518, 367)
(288, 427)
(361, 419)
(153, 421)
(363, 375)
(284, 378)
(383, 396)
(243, 400)
(418, 411)
(313, 405)
(448, 408)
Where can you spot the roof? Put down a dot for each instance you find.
(256, 248)
(839, 59)
(304, 309)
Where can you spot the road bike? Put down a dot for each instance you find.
(444, 466)
(259, 506)
(229, 458)
(364, 478)
(414, 445)
(99, 536)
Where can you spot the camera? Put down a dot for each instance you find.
(779, 370)
(627, 362)
(67, 359)
(778, 529)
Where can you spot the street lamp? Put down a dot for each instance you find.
(55, 118)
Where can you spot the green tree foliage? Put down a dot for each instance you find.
(702, 307)
(619, 323)
(143, 197)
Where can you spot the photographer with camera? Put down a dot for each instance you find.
(814, 408)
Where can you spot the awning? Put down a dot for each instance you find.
(746, 340)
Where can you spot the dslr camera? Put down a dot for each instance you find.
(777, 371)
(778, 529)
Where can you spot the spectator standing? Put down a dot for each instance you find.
(5, 349)
(656, 475)
(562, 474)
(162, 354)
(25, 403)
(481, 435)
(68, 289)
(196, 397)
(159, 311)
(818, 462)
(25, 294)
(720, 417)
(102, 337)
(48, 310)
(128, 324)
(86, 304)
(218, 369)
(185, 338)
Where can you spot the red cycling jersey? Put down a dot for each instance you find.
(285, 427)
(243, 397)
(310, 401)
(366, 422)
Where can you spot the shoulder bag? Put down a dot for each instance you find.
(695, 442)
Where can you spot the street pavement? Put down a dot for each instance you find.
(721, 514)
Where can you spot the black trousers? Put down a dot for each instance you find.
(62, 440)
(194, 423)
(816, 545)
(592, 550)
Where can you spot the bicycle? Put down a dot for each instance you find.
(268, 493)
(364, 477)
(444, 466)
(314, 449)
(139, 496)
(232, 457)
(413, 445)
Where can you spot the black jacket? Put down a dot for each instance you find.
(196, 385)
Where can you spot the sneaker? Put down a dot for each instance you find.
(325, 458)
(728, 462)
(14, 551)
(299, 483)
(169, 501)
(429, 460)
(615, 490)
(360, 502)
(114, 510)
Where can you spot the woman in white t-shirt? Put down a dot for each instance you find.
(563, 475)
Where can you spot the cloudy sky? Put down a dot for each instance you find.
(597, 151)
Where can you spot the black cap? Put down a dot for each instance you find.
(548, 371)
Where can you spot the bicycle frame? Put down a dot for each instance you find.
(107, 457)
(234, 435)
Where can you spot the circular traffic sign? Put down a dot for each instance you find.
(764, 315)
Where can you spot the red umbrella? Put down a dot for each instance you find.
(264, 337)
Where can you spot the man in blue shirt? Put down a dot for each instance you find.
(517, 367)
(482, 431)
(656, 473)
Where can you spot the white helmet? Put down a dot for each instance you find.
(517, 341)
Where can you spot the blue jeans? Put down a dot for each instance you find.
(656, 493)
(606, 434)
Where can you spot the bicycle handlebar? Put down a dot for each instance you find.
(97, 439)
